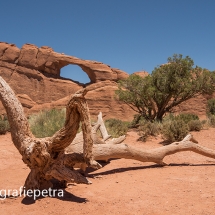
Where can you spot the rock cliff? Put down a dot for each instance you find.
(34, 75)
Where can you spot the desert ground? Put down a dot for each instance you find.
(185, 186)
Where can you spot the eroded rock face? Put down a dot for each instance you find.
(34, 75)
(49, 63)
(142, 74)
(101, 97)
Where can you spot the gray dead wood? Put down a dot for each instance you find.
(115, 149)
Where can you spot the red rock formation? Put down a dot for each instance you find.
(100, 98)
(142, 74)
(49, 63)
(34, 75)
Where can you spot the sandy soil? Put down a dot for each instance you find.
(186, 186)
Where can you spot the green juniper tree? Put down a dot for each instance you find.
(168, 86)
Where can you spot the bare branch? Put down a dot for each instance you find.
(18, 122)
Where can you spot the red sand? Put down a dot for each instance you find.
(123, 186)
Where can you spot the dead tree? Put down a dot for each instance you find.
(45, 156)
(55, 157)
(107, 149)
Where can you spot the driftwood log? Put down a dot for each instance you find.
(107, 149)
(55, 157)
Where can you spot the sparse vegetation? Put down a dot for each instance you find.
(136, 120)
(192, 120)
(47, 122)
(174, 130)
(147, 128)
(187, 117)
(195, 125)
(210, 108)
(4, 125)
(211, 120)
(210, 112)
(116, 127)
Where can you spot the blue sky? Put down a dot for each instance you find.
(131, 35)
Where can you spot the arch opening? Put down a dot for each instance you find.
(74, 73)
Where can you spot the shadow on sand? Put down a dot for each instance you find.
(119, 170)
(67, 196)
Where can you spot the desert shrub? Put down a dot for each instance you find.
(210, 108)
(210, 111)
(195, 125)
(46, 123)
(174, 130)
(136, 120)
(147, 128)
(168, 117)
(187, 117)
(4, 125)
(205, 123)
(211, 120)
(192, 120)
(116, 127)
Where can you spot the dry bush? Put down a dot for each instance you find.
(47, 122)
(187, 117)
(174, 130)
(147, 128)
(116, 127)
(192, 120)
(211, 120)
(4, 125)
(195, 125)
(210, 108)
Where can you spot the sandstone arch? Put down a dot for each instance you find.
(37, 69)
(75, 73)
(48, 62)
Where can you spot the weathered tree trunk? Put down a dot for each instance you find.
(44, 155)
(115, 149)
(55, 157)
